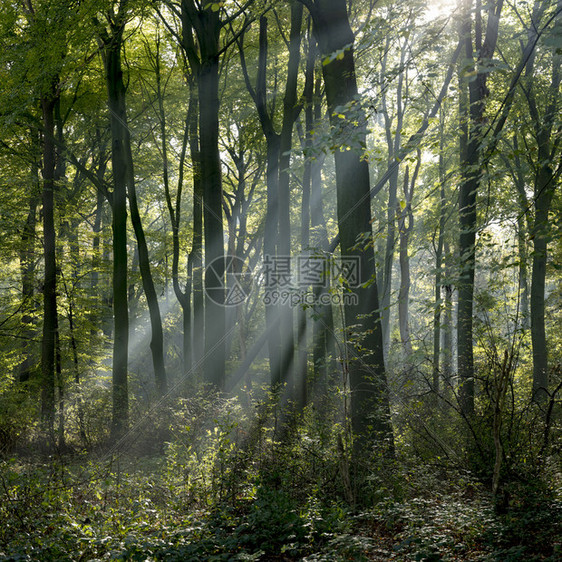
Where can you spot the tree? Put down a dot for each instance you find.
(112, 43)
(439, 258)
(369, 393)
(405, 226)
(323, 338)
(393, 125)
(42, 20)
(278, 226)
(200, 40)
(474, 91)
(124, 187)
(545, 181)
(175, 208)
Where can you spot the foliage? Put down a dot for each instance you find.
(211, 497)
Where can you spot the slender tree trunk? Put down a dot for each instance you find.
(184, 297)
(96, 242)
(157, 334)
(76, 366)
(290, 113)
(174, 210)
(394, 143)
(406, 225)
(272, 313)
(107, 292)
(237, 227)
(276, 236)
(544, 190)
(523, 223)
(116, 101)
(71, 232)
(544, 187)
(323, 339)
(195, 258)
(61, 443)
(208, 26)
(404, 296)
(467, 224)
(133, 292)
(118, 107)
(157, 338)
(27, 268)
(437, 315)
(522, 236)
(302, 321)
(48, 348)
(447, 327)
(201, 30)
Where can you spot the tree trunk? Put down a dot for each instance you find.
(27, 268)
(48, 347)
(157, 339)
(211, 179)
(406, 215)
(544, 187)
(195, 258)
(439, 260)
(302, 321)
(212, 216)
(61, 444)
(472, 122)
(523, 229)
(96, 242)
(369, 392)
(394, 143)
(76, 366)
(279, 319)
(237, 226)
(467, 225)
(183, 296)
(544, 190)
(290, 112)
(116, 101)
(323, 338)
(201, 30)
(157, 334)
(272, 314)
(133, 292)
(447, 325)
(121, 136)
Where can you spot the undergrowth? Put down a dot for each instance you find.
(222, 487)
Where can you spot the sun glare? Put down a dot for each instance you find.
(440, 9)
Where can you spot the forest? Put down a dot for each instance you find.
(281, 280)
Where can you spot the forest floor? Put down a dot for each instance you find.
(150, 509)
